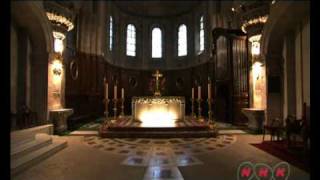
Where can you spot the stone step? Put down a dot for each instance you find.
(235, 131)
(32, 158)
(40, 141)
(26, 135)
(84, 133)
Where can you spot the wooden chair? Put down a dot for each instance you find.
(299, 129)
(293, 130)
(275, 127)
(305, 131)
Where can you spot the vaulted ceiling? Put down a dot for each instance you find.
(156, 8)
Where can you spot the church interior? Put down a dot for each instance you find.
(160, 90)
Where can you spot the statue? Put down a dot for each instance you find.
(157, 75)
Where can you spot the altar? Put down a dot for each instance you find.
(154, 117)
(158, 111)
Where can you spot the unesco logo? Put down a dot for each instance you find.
(261, 171)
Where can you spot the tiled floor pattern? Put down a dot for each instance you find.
(161, 156)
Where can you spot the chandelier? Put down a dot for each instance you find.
(255, 21)
(252, 15)
(60, 20)
(60, 16)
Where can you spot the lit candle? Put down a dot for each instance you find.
(115, 92)
(192, 93)
(122, 93)
(106, 91)
(209, 90)
(199, 92)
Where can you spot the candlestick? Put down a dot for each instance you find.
(122, 93)
(193, 115)
(115, 108)
(106, 110)
(106, 91)
(122, 108)
(115, 92)
(192, 93)
(209, 109)
(199, 92)
(199, 109)
(209, 90)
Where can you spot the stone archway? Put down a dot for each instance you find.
(30, 18)
(284, 17)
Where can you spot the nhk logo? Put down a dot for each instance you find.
(261, 171)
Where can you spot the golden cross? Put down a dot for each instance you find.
(157, 75)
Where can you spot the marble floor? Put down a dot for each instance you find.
(131, 158)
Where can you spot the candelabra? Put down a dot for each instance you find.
(115, 108)
(193, 115)
(209, 109)
(122, 107)
(106, 111)
(199, 109)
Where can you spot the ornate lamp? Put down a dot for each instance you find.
(61, 19)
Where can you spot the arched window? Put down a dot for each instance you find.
(201, 35)
(131, 40)
(182, 40)
(156, 43)
(110, 33)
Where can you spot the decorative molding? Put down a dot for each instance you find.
(157, 100)
(74, 70)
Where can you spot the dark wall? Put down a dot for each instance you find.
(85, 93)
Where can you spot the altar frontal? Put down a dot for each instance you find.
(153, 111)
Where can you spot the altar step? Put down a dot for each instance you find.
(158, 134)
(126, 128)
(33, 147)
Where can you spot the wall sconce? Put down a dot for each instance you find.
(255, 44)
(57, 67)
(58, 42)
(256, 70)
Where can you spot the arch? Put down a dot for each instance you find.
(279, 22)
(31, 17)
(284, 18)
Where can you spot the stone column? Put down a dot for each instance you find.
(22, 67)
(39, 85)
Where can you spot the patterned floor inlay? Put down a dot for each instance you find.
(159, 173)
(136, 161)
(174, 146)
(162, 157)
